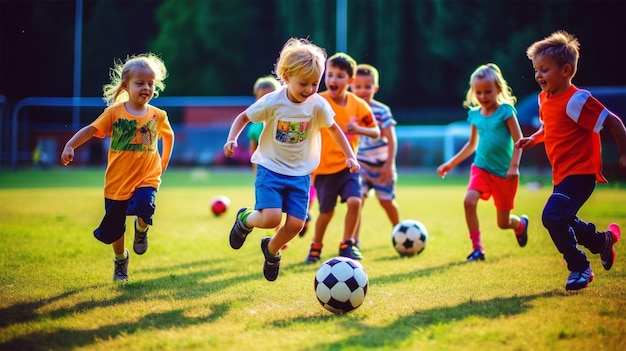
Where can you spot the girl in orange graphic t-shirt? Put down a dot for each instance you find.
(134, 166)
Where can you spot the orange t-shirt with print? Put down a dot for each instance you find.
(134, 160)
(572, 122)
(332, 158)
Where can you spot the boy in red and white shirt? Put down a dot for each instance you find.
(571, 121)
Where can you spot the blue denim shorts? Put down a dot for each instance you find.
(289, 193)
(113, 225)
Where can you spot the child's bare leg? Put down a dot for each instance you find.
(508, 221)
(265, 218)
(352, 217)
(470, 204)
(321, 224)
(285, 233)
(141, 223)
(391, 208)
(118, 246)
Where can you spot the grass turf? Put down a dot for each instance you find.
(192, 291)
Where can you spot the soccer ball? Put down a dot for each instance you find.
(219, 205)
(409, 237)
(341, 284)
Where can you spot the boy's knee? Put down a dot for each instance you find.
(354, 201)
(270, 219)
(555, 212)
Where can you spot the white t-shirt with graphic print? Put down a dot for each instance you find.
(290, 143)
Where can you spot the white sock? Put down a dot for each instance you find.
(143, 230)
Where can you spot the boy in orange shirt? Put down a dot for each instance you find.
(332, 179)
(571, 121)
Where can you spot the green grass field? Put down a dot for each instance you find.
(191, 291)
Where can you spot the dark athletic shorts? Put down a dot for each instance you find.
(329, 186)
(113, 225)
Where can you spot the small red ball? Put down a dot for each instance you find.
(219, 205)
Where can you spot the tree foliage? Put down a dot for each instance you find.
(201, 42)
(424, 49)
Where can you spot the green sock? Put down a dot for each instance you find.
(121, 256)
(244, 216)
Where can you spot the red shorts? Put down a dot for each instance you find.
(488, 185)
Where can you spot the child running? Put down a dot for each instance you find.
(262, 86)
(289, 150)
(571, 122)
(134, 168)
(332, 179)
(377, 156)
(495, 170)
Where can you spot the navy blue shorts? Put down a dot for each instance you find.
(113, 225)
(329, 186)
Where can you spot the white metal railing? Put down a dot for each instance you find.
(189, 101)
(447, 135)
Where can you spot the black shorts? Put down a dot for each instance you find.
(113, 225)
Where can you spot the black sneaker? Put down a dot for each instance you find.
(607, 256)
(522, 238)
(348, 249)
(140, 244)
(120, 269)
(579, 280)
(476, 255)
(272, 262)
(239, 232)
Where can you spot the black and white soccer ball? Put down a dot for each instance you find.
(409, 237)
(341, 284)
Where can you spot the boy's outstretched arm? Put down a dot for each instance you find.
(354, 127)
(618, 130)
(75, 141)
(235, 129)
(341, 140)
(530, 141)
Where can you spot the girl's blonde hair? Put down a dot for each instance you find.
(121, 71)
(492, 72)
(300, 57)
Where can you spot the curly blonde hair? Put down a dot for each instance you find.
(300, 57)
(491, 72)
(121, 71)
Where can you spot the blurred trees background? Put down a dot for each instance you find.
(424, 49)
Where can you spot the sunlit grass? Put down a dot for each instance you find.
(192, 291)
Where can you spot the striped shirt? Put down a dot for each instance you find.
(375, 151)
